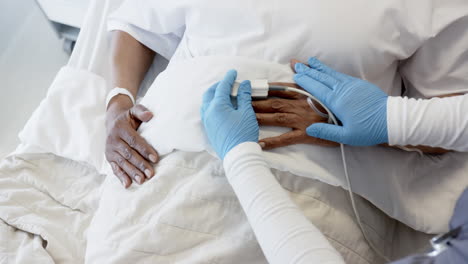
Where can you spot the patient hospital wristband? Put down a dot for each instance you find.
(117, 91)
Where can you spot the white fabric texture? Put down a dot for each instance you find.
(422, 42)
(70, 121)
(440, 65)
(437, 122)
(282, 230)
(188, 213)
(48, 203)
(19, 247)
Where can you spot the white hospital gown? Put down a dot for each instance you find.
(421, 42)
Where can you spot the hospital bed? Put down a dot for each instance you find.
(57, 205)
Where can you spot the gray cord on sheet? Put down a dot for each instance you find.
(332, 119)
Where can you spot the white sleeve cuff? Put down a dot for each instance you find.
(239, 151)
(394, 125)
(164, 45)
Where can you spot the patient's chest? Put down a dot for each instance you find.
(362, 38)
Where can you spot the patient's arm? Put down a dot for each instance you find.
(128, 153)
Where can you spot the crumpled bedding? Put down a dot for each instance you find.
(46, 205)
(20, 247)
(187, 214)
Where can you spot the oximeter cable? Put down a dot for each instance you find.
(260, 90)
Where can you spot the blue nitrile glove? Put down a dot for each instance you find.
(226, 126)
(359, 105)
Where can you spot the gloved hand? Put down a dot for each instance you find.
(359, 105)
(226, 126)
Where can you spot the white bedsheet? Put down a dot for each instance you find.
(188, 213)
(19, 247)
(47, 203)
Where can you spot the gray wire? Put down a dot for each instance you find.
(332, 119)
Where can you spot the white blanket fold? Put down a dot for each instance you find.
(51, 198)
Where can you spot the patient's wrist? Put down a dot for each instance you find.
(119, 103)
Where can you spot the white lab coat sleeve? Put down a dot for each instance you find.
(157, 24)
(440, 65)
(283, 232)
(436, 122)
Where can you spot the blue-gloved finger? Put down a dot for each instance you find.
(326, 131)
(301, 67)
(317, 89)
(207, 98)
(324, 78)
(244, 97)
(314, 63)
(209, 94)
(223, 91)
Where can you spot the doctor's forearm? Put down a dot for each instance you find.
(283, 232)
(436, 122)
(130, 62)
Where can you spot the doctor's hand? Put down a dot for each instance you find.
(128, 153)
(289, 110)
(225, 125)
(359, 105)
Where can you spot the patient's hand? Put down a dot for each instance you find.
(128, 153)
(288, 110)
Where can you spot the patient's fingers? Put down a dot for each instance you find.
(121, 175)
(286, 139)
(141, 113)
(134, 173)
(136, 142)
(274, 106)
(136, 159)
(223, 91)
(278, 119)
